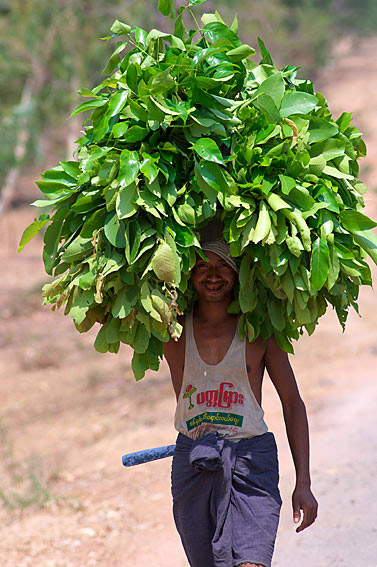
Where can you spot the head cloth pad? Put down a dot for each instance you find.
(221, 248)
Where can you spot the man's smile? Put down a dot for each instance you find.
(213, 287)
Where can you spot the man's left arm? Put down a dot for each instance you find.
(296, 422)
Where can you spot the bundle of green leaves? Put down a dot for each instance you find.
(187, 128)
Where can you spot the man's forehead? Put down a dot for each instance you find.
(221, 249)
(214, 259)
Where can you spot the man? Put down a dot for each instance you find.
(226, 500)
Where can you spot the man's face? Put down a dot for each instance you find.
(213, 280)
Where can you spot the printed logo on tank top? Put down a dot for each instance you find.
(224, 397)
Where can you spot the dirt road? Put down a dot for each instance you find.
(68, 414)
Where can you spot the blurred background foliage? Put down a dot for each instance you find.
(51, 48)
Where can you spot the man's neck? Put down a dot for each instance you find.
(212, 313)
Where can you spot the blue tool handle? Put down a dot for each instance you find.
(147, 455)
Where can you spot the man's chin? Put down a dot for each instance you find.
(216, 297)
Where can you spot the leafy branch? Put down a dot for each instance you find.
(163, 153)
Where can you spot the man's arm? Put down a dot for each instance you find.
(296, 422)
(174, 353)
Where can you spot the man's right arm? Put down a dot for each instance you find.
(174, 352)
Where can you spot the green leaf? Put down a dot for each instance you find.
(183, 235)
(319, 263)
(186, 213)
(248, 293)
(138, 110)
(334, 267)
(234, 26)
(157, 34)
(297, 103)
(117, 102)
(52, 239)
(196, 2)
(139, 365)
(344, 121)
(162, 106)
(180, 29)
(355, 221)
(89, 105)
(94, 222)
(266, 57)
(240, 53)
(283, 342)
(86, 202)
(167, 7)
(85, 92)
(287, 183)
(80, 306)
(218, 30)
(317, 165)
(112, 330)
(263, 226)
(113, 61)
(89, 161)
(134, 234)
(320, 129)
(146, 301)
(136, 134)
(119, 129)
(129, 167)
(334, 172)
(126, 201)
(141, 340)
(367, 240)
(125, 301)
(208, 150)
(149, 168)
(213, 176)
(100, 343)
(31, 230)
(266, 104)
(71, 168)
(162, 82)
(275, 313)
(120, 28)
(114, 230)
(248, 232)
(58, 176)
(78, 249)
(328, 149)
(273, 86)
(276, 203)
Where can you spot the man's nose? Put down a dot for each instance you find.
(213, 273)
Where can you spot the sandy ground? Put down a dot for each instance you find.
(68, 414)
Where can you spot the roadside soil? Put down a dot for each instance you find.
(68, 414)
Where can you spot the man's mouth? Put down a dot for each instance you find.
(213, 288)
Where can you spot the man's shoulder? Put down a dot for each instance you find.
(258, 345)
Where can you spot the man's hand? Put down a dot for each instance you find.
(303, 499)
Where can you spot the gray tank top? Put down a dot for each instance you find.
(217, 397)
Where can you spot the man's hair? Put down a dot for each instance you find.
(212, 231)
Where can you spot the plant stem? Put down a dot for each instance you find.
(197, 24)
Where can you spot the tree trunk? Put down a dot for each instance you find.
(32, 87)
(19, 150)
